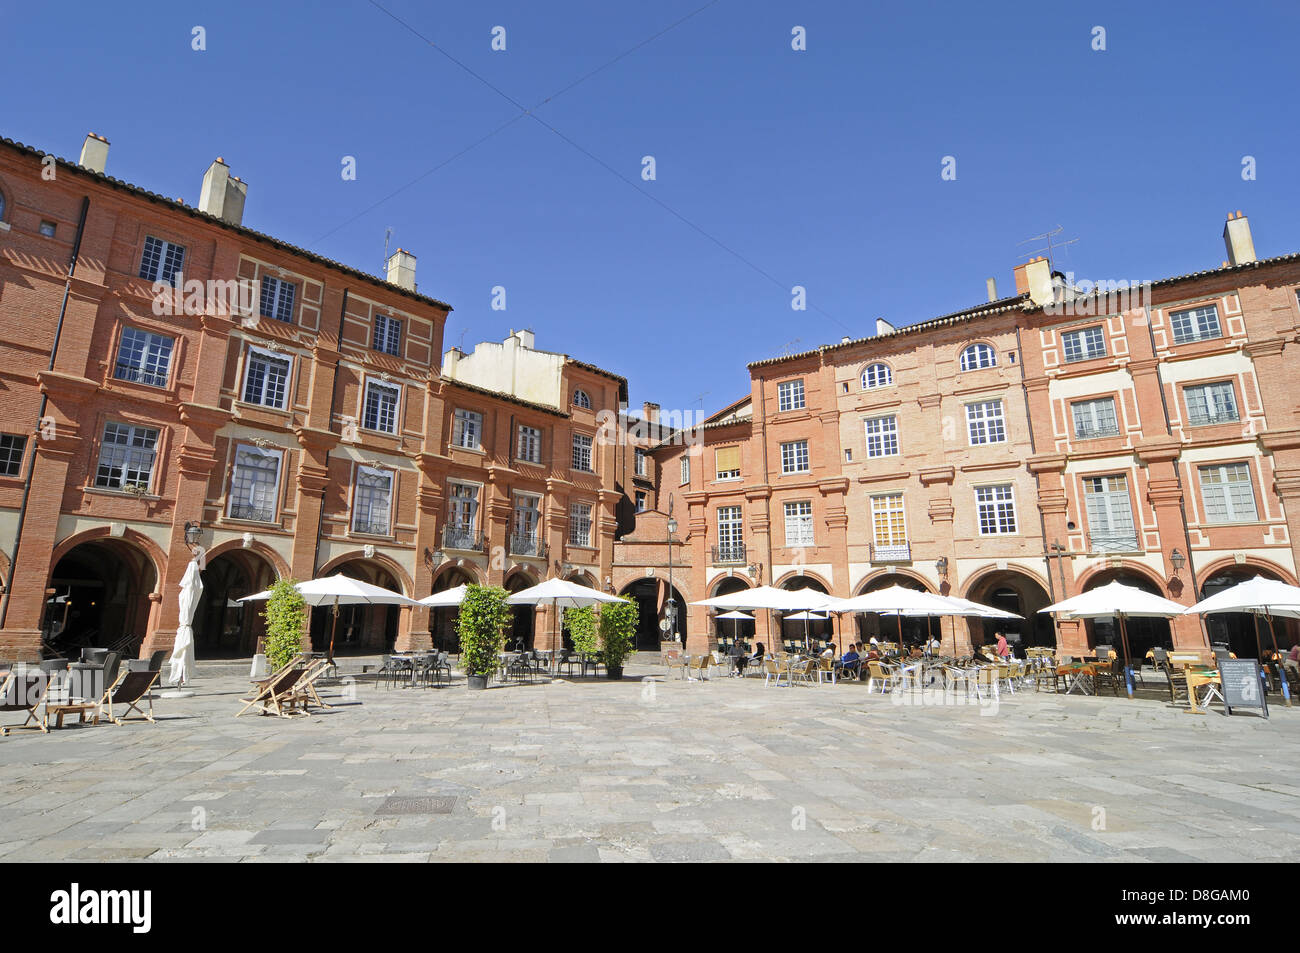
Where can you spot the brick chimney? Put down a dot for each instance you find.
(94, 153)
(1236, 236)
(401, 269)
(650, 412)
(222, 194)
(1034, 278)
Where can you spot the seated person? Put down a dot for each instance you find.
(874, 653)
(851, 661)
(1293, 659)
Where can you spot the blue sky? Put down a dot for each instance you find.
(775, 168)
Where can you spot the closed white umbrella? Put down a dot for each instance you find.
(182, 659)
(560, 594)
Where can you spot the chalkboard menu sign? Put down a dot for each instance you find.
(1242, 685)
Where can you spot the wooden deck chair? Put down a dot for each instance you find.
(128, 690)
(25, 691)
(305, 691)
(270, 691)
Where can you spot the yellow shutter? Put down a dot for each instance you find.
(728, 458)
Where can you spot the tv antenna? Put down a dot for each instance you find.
(1050, 247)
(699, 398)
(786, 350)
(388, 235)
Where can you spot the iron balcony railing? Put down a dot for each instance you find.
(251, 511)
(1113, 543)
(1091, 432)
(371, 527)
(527, 546)
(728, 554)
(138, 375)
(897, 553)
(1220, 417)
(466, 540)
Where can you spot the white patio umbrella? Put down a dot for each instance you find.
(340, 590)
(1119, 601)
(737, 616)
(1258, 596)
(182, 659)
(446, 599)
(760, 597)
(560, 594)
(900, 601)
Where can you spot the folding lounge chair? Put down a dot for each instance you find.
(25, 691)
(128, 690)
(270, 695)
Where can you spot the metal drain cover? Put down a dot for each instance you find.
(417, 805)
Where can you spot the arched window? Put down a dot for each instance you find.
(877, 375)
(580, 399)
(977, 356)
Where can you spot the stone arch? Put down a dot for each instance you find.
(282, 570)
(106, 591)
(717, 585)
(469, 571)
(224, 627)
(872, 580)
(651, 594)
(1113, 568)
(1030, 593)
(157, 557)
(1246, 635)
(799, 572)
(392, 566)
(1251, 562)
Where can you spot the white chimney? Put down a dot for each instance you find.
(1236, 236)
(1035, 279)
(450, 361)
(401, 269)
(222, 194)
(526, 338)
(883, 327)
(992, 285)
(94, 153)
(846, 339)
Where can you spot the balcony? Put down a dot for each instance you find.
(138, 375)
(1100, 544)
(1091, 432)
(370, 527)
(252, 511)
(897, 553)
(728, 554)
(1207, 420)
(460, 538)
(530, 547)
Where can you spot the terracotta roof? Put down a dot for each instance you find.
(239, 229)
(622, 381)
(508, 398)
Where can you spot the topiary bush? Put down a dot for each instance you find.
(618, 623)
(581, 622)
(484, 618)
(286, 616)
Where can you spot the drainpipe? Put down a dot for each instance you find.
(40, 414)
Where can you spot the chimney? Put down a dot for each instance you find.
(992, 285)
(222, 194)
(450, 360)
(526, 338)
(1236, 236)
(883, 327)
(94, 153)
(1034, 278)
(846, 339)
(650, 412)
(401, 269)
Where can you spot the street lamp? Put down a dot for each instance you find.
(671, 605)
(941, 567)
(1177, 559)
(192, 533)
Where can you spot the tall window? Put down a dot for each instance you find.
(1110, 514)
(686, 468)
(640, 501)
(372, 503)
(640, 461)
(978, 356)
(877, 375)
(381, 407)
(888, 523)
(1228, 493)
(266, 378)
(985, 422)
(161, 260)
(277, 299)
(462, 514)
(789, 395)
(1196, 324)
(143, 358)
(1084, 344)
(467, 431)
(580, 524)
(731, 536)
(996, 509)
(12, 448)
(1211, 404)
(388, 334)
(530, 444)
(799, 523)
(580, 399)
(527, 521)
(882, 436)
(582, 453)
(727, 461)
(126, 457)
(1094, 418)
(254, 483)
(794, 457)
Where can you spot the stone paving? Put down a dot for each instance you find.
(657, 770)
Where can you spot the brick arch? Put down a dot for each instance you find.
(862, 369)
(870, 578)
(393, 568)
(151, 550)
(1251, 562)
(277, 562)
(716, 584)
(517, 571)
(1125, 565)
(583, 577)
(977, 577)
(468, 569)
(780, 583)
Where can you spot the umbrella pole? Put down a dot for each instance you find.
(334, 626)
(1123, 637)
(1286, 689)
(900, 634)
(1259, 645)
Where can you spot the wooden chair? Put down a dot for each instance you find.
(26, 691)
(270, 695)
(128, 690)
(1111, 674)
(1178, 687)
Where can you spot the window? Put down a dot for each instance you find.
(2, 206)
(462, 514)
(640, 459)
(789, 395)
(525, 539)
(686, 469)
(467, 430)
(799, 523)
(1196, 324)
(277, 299)
(731, 538)
(373, 501)
(877, 375)
(1110, 514)
(996, 510)
(580, 399)
(1211, 404)
(882, 437)
(794, 457)
(161, 260)
(640, 501)
(727, 460)
(888, 524)
(126, 457)
(47, 228)
(530, 444)
(381, 407)
(1095, 418)
(12, 448)
(985, 422)
(1083, 345)
(978, 356)
(388, 334)
(254, 483)
(143, 358)
(266, 378)
(582, 453)
(580, 524)
(1228, 494)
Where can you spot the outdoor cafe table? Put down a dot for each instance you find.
(1078, 675)
(1198, 676)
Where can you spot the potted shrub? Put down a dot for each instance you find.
(581, 623)
(484, 618)
(286, 617)
(618, 622)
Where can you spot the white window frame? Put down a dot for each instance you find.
(1210, 394)
(372, 472)
(1225, 488)
(581, 450)
(1082, 340)
(156, 271)
(396, 390)
(528, 443)
(387, 336)
(685, 467)
(1191, 318)
(883, 441)
(1088, 408)
(983, 426)
(893, 508)
(581, 399)
(798, 523)
(467, 425)
(978, 356)
(1000, 502)
(534, 533)
(876, 375)
(640, 461)
(641, 500)
(280, 290)
(793, 453)
(456, 505)
(581, 517)
(1107, 519)
(269, 357)
(150, 349)
(232, 499)
(790, 395)
(126, 457)
(731, 526)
